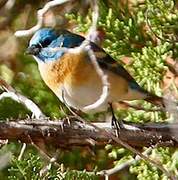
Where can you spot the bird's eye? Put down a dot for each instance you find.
(46, 42)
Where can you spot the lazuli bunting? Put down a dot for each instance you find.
(74, 73)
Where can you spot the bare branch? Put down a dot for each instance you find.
(40, 19)
(23, 100)
(22, 151)
(92, 33)
(82, 134)
(29, 104)
(79, 134)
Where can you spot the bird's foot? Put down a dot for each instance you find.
(65, 122)
(116, 124)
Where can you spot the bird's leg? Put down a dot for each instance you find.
(65, 122)
(118, 125)
(77, 111)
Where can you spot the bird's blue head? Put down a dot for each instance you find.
(42, 41)
(45, 39)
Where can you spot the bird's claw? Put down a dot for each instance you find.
(65, 122)
(118, 125)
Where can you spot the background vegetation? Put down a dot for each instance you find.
(142, 35)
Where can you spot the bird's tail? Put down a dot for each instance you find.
(156, 100)
(166, 105)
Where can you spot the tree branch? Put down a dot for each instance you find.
(62, 135)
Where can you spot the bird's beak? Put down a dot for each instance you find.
(32, 50)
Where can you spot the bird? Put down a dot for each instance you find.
(72, 77)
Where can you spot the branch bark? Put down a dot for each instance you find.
(63, 135)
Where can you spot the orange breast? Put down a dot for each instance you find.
(72, 69)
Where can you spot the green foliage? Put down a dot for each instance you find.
(27, 168)
(19, 112)
(72, 175)
(166, 156)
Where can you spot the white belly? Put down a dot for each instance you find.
(79, 98)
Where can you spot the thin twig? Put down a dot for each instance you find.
(52, 160)
(155, 163)
(22, 151)
(85, 46)
(91, 36)
(123, 165)
(40, 18)
(105, 84)
(41, 151)
(29, 104)
(92, 33)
